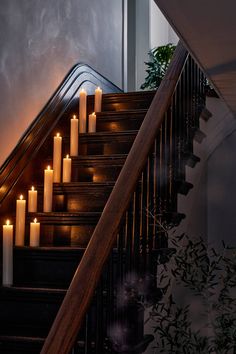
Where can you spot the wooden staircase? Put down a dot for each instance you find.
(43, 274)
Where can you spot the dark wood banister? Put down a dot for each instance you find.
(70, 317)
(81, 75)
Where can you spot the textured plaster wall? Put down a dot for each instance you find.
(161, 32)
(40, 41)
(222, 193)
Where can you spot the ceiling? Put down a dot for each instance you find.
(208, 29)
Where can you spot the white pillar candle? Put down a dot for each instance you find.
(34, 233)
(98, 100)
(74, 136)
(32, 200)
(48, 190)
(20, 221)
(92, 123)
(82, 111)
(7, 254)
(66, 177)
(57, 144)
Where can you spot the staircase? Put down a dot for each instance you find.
(43, 274)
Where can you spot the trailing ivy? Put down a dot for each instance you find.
(210, 277)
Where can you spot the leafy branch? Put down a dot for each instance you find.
(209, 278)
(160, 58)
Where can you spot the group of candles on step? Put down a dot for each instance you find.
(50, 175)
(7, 262)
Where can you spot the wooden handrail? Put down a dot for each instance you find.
(73, 309)
(81, 75)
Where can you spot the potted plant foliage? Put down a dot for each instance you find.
(160, 58)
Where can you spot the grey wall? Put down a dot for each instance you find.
(210, 205)
(222, 193)
(40, 41)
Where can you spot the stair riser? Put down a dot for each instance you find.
(27, 347)
(109, 147)
(109, 123)
(91, 145)
(103, 173)
(125, 101)
(82, 200)
(85, 170)
(8, 347)
(30, 315)
(64, 235)
(29, 318)
(43, 269)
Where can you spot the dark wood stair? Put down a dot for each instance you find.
(42, 274)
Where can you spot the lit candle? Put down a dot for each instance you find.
(32, 200)
(82, 111)
(20, 221)
(92, 123)
(66, 177)
(34, 233)
(98, 100)
(48, 189)
(7, 254)
(74, 136)
(57, 143)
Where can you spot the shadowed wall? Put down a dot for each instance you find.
(40, 41)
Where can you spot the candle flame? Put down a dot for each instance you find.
(32, 188)
(21, 197)
(58, 135)
(93, 113)
(99, 88)
(49, 167)
(8, 222)
(35, 220)
(74, 116)
(83, 90)
(67, 156)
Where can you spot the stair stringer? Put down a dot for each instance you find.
(194, 205)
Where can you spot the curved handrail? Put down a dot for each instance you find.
(81, 75)
(72, 311)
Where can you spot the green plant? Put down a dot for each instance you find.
(160, 58)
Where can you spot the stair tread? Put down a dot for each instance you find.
(120, 114)
(21, 338)
(100, 157)
(26, 289)
(206, 114)
(109, 133)
(126, 95)
(183, 186)
(64, 214)
(82, 184)
(116, 159)
(67, 218)
(75, 249)
(50, 248)
(105, 135)
(190, 159)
